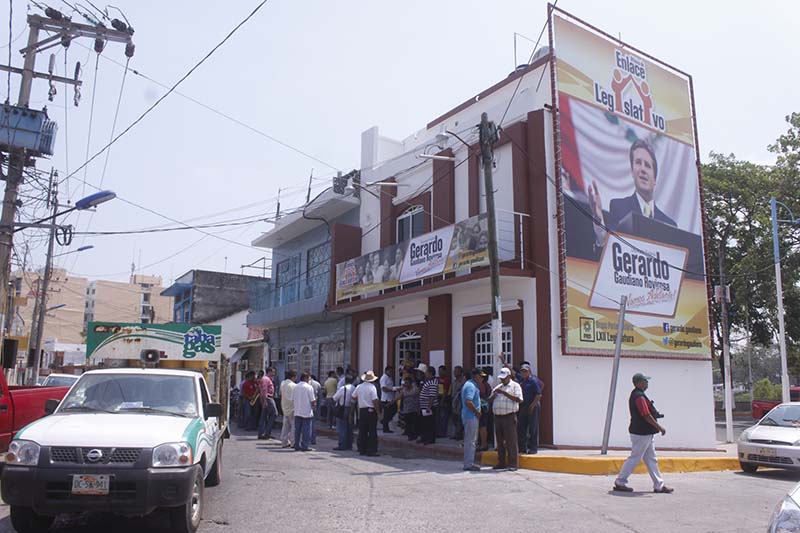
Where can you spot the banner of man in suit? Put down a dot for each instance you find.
(631, 200)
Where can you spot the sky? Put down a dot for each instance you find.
(313, 75)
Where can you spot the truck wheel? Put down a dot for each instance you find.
(215, 476)
(186, 518)
(24, 519)
(750, 468)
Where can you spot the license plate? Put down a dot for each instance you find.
(768, 452)
(90, 484)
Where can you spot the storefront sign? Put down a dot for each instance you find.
(117, 340)
(631, 200)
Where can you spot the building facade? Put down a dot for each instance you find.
(136, 301)
(440, 313)
(304, 335)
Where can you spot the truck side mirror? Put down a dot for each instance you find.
(50, 406)
(213, 410)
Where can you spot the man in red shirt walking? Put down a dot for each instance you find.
(250, 392)
(642, 429)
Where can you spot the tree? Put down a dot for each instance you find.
(737, 195)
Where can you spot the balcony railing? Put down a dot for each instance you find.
(301, 288)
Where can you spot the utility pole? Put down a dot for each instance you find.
(17, 161)
(773, 204)
(61, 31)
(488, 137)
(45, 284)
(722, 292)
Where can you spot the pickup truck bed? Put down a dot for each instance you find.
(19, 406)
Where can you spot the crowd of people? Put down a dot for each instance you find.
(423, 402)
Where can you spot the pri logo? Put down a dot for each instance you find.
(587, 329)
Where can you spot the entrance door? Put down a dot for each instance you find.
(408, 345)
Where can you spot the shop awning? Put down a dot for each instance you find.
(239, 354)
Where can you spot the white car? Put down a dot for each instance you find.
(786, 516)
(773, 441)
(125, 441)
(59, 380)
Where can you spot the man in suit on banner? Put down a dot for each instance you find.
(644, 170)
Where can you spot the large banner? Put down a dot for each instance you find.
(458, 247)
(631, 200)
(178, 342)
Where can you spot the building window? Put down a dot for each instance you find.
(307, 361)
(318, 267)
(286, 281)
(331, 356)
(146, 297)
(408, 345)
(411, 223)
(483, 345)
(291, 359)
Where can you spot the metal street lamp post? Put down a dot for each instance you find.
(773, 203)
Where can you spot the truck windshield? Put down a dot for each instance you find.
(783, 415)
(121, 393)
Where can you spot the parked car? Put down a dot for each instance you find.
(773, 440)
(19, 406)
(123, 441)
(762, 407)
(60, 380)
(786, 516)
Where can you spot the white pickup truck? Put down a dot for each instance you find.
(124, 441)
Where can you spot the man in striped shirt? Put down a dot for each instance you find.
(506, 396)
(428, 404)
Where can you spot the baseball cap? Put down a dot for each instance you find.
(525, 367)
(640, 377)
(504, 373)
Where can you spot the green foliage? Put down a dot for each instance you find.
(738, 218)
(764, 389)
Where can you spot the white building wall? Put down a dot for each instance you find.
(366, 345)
(234, 329)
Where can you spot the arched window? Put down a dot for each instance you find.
(483, 344)
(291, 359)
(408, 345)
(411, 223)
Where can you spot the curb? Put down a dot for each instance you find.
(600, 466)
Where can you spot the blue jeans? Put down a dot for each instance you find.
(345, 430)
(268, 414)
(470, 434)
(302, 432)
(249, 416)
(314, 413)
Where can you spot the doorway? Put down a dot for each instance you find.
(408, 345)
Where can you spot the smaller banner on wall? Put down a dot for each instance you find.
(178, 342)
(458, 247)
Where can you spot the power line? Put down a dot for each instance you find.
(519, 82)
(10, 19)
(171, 89)
(223, 114)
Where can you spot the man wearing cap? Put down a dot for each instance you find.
(507, 396)
(642, 429)
(369, 410)
(528, 422)
(470, 415)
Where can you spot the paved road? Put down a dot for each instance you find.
(267, 488)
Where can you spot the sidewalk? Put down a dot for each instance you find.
(568, 460)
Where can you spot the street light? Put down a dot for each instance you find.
(83, 204)
(81, 249)
(773, 204)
